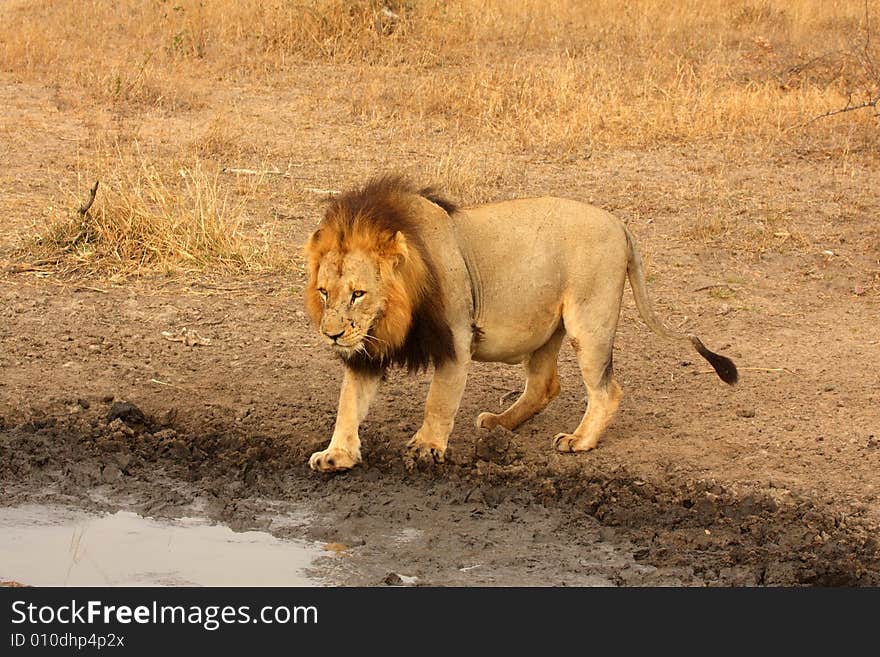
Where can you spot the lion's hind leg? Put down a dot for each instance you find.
(542, 387)
(592, 337)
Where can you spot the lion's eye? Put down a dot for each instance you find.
(323, 293)
(357, 294)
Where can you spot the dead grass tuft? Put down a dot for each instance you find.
(145, 221)
(220, 139)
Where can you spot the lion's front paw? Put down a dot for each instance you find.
(567, 442)
(334, 460)
(423, 449)
(487, 421)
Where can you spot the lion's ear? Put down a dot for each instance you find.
(312, 243)
(399, 247)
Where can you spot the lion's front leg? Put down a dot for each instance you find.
(344, 450)
(444, 397)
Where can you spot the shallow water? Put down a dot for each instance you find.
(56, 546)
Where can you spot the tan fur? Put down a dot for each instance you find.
(512, 280)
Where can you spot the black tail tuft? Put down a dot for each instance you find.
(722, 365)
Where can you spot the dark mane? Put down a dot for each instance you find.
(385, 203)
(381, 200)
(432, 195)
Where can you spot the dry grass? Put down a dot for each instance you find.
(487, 85)
(144, 219)
(220, 139)
(555, 75)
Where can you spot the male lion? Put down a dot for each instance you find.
(400, 276)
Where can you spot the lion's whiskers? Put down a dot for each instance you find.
(367, 337)
(371, 340)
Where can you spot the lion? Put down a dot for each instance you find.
(400, 276)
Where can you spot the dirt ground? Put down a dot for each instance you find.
(772, 482)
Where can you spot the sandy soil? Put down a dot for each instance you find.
(773, 482)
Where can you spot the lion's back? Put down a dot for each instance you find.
(525, 255)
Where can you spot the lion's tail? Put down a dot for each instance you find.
(722, 365)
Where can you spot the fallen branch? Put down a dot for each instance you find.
(24, 267)
(510, 394)
(274, 171)
(713, 286)
(874, 102)
(165, 383)
(283, 174)
(872, 72)
(755, 369)
(258, 172)
(93, 289)
(326, 192)
(88, 204)
(35, 266)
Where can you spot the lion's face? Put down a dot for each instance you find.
(351, 296)
(364, 283)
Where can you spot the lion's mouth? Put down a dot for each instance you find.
(347, 344)
(354, 341)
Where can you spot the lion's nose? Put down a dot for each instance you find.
(335, 337)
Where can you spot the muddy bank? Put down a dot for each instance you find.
(498, 513)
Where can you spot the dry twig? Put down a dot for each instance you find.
(872, 72)
(165, 383)
(324, 192)
(88, 204)
(510, 394)
(263, 172)
(755, 369)
(257, 172)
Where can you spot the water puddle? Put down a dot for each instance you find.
(55, 546)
